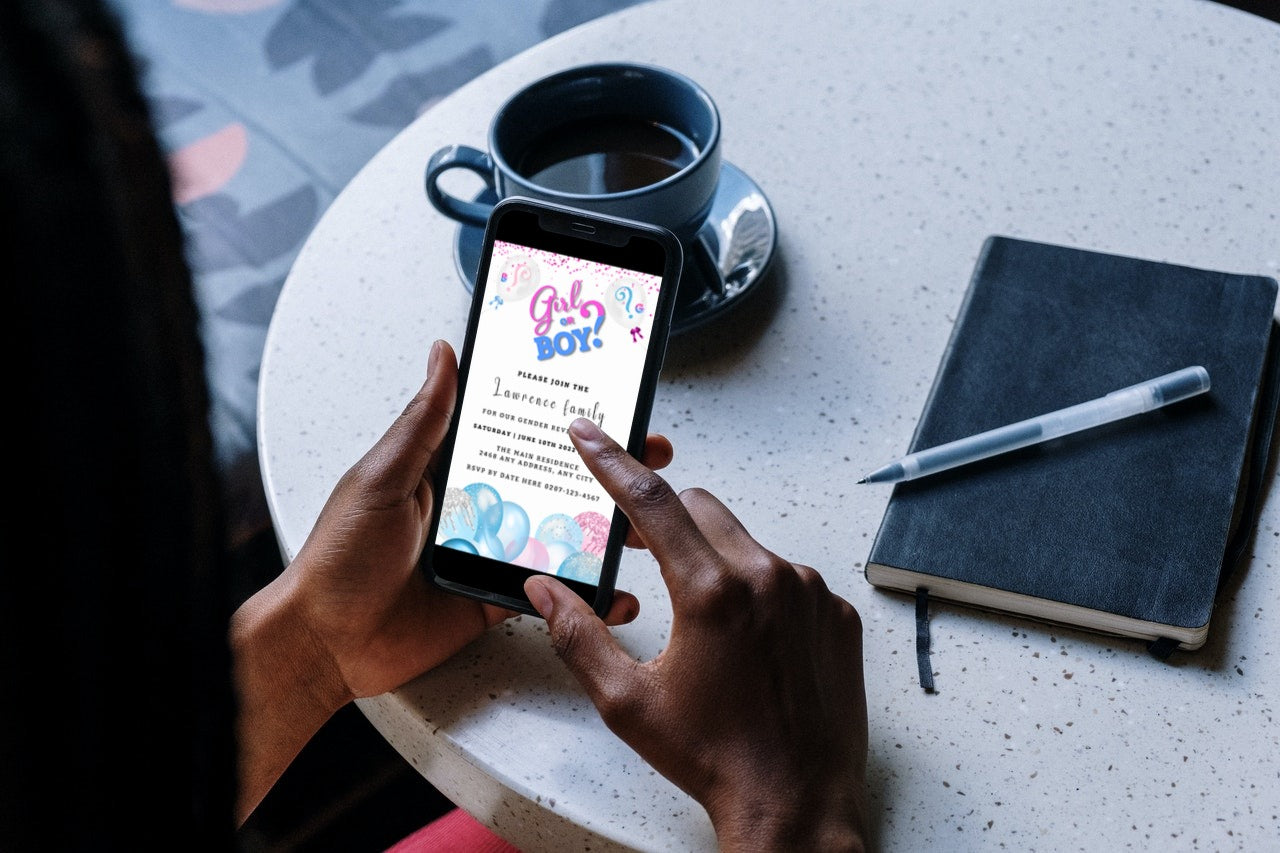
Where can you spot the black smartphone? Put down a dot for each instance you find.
(569, 318)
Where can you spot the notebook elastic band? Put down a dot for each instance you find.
(923, 661)
(1161, 649)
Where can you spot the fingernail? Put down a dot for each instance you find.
(631, 612)
(539, 596)
(433, 357)
(586, 430)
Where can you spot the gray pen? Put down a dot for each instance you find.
(1124, 403)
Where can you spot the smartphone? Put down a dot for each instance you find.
(569, 318)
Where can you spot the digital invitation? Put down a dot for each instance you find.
(558, 338)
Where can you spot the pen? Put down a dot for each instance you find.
(1123, 403)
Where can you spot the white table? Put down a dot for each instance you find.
(891, 139)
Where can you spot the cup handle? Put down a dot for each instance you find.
(459, 157)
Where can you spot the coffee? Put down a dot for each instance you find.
(606, 155)
(616, 139)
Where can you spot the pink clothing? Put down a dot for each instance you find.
(453, 832)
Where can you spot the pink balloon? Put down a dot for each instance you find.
(534, 556)
(595, 531)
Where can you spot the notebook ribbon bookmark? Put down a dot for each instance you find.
(923, 662)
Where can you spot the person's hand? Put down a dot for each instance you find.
(382, 621)
(352, 615)
(756, 707)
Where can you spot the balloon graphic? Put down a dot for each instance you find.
(624, 302)
(518, 277)
(562, 528)
(461, 545)
(595, 532)
(513, 531)
(458, 516)
(557, 553)
(581, 567)
(534, 556)
(488, 508)
(487, 545)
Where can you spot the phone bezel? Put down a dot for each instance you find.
(594, 237)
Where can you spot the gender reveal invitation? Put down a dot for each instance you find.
(558, 338)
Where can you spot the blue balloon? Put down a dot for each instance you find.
(461, 545)
(488, 508)
(513, 532)
(560, 528)
(557, 553)
(488, 545)
(582, 566)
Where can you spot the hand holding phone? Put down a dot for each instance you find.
(569, 319)
(756, 707)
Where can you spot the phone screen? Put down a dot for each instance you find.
(564, 330)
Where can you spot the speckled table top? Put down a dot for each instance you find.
(891, 139)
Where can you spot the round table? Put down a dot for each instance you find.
(891, 139)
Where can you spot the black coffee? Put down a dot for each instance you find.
(606, 155)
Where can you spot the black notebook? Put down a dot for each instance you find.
(1126, 528)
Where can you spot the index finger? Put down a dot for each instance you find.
(654, 509)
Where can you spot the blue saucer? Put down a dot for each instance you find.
(731, 254)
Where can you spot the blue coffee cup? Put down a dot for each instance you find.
(622, 139)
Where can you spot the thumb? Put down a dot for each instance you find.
(409, 449)
(579, 637)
